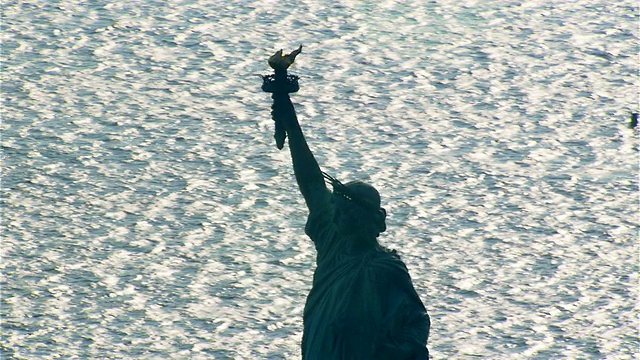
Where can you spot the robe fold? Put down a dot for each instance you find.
(361, 306)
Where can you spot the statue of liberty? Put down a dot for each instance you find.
(362, 304)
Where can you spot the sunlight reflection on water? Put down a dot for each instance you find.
(147, 214)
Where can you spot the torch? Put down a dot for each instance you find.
(281, 83)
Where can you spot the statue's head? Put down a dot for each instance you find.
(357, 210)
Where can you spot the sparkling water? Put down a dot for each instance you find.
(146, 212)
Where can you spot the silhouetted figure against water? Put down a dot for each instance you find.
(362, 304)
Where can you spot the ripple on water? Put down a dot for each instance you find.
(148, 214)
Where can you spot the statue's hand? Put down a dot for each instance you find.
(279, 61)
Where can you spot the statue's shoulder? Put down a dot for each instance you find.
(388, 259)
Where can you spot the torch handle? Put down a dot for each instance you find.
(280, 86)
(279, 134)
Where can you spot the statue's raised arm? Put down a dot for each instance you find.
(305, 166)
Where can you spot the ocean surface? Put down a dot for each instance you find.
(147, 214)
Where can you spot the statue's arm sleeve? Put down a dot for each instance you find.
(320, 227)
(307, 171)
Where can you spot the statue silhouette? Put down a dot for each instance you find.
(362, 304)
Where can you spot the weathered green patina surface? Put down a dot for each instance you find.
(362, 304)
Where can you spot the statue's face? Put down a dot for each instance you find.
(348, 217)
(341, 211)
(354, 210)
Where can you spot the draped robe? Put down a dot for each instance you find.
(361, 306)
